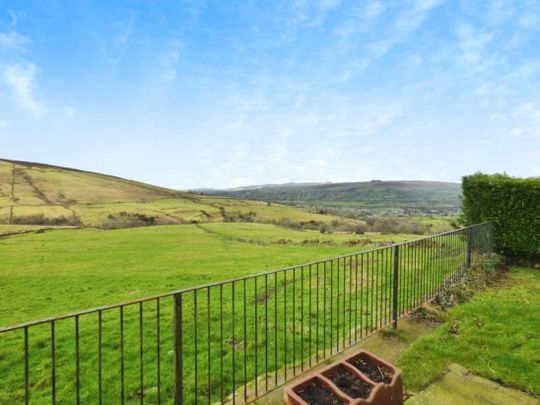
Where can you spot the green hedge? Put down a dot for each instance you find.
(512, 203)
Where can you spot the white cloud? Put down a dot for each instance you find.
(168, 61)
(21, 79)
(12, 40)
(472, 43)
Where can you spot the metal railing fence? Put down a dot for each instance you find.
(230, 341)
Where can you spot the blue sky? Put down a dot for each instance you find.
(195, 93)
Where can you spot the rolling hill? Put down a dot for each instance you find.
(372, 194)
(41, 194)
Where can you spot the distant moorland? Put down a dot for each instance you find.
(414, 196)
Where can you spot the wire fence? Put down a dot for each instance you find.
(230, 341)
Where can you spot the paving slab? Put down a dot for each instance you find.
(460, 387)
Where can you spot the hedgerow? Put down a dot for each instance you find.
(513, 204)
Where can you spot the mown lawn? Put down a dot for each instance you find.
(496, 335)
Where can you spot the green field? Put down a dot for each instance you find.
(70, 269)
(56, 271)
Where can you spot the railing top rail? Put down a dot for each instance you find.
(218, 283)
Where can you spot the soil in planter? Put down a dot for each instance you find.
(375, 372)
(348, 383)
(315, 394)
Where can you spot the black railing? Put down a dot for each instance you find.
(230, 341)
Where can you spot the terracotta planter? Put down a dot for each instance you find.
(343, 382)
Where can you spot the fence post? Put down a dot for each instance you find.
(395, 288)
(468, 259)
(178, 377)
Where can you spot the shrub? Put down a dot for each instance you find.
(128, 220)
(513, 204)
(40, 219)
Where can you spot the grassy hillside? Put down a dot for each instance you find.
(373, 194)
(32, 193)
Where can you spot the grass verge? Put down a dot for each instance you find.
(495, 335)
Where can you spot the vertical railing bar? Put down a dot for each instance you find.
(377, 289)
(386, 297)
(276, 329)
(447, 270)
(382, 287)
(100, 357)
(401, 278)
(350, 300)
(309, 316)
(122, 387)
(425, 251)
(435, 266)
(178, 350)
(356, 298)
(196, 348)
(443, 258)
(285, 325)
(418, 274)
(437, 278)
(221, 352)
(26, 368)
(53, 363)
(141, 351)
(362, 323)
(78, 360)
(395, 290)
(338, 284)
(294, 321)
(233, 342)
(344, 333)
(419, 264)
(324, 311)
(331, 306)
(256, 322)
(412, 267)
(387, 285)
(158, 350)
(245, 341)
(302, 318)
(208, 320)
(266, 298)
(318, 313)
(371, 293)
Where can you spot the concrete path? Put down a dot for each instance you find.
(459, 386)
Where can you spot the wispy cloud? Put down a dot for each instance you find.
(12, 40)
(472, 43)
(168, 60)
(21, 79)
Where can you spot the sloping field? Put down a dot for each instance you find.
(33, 193)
